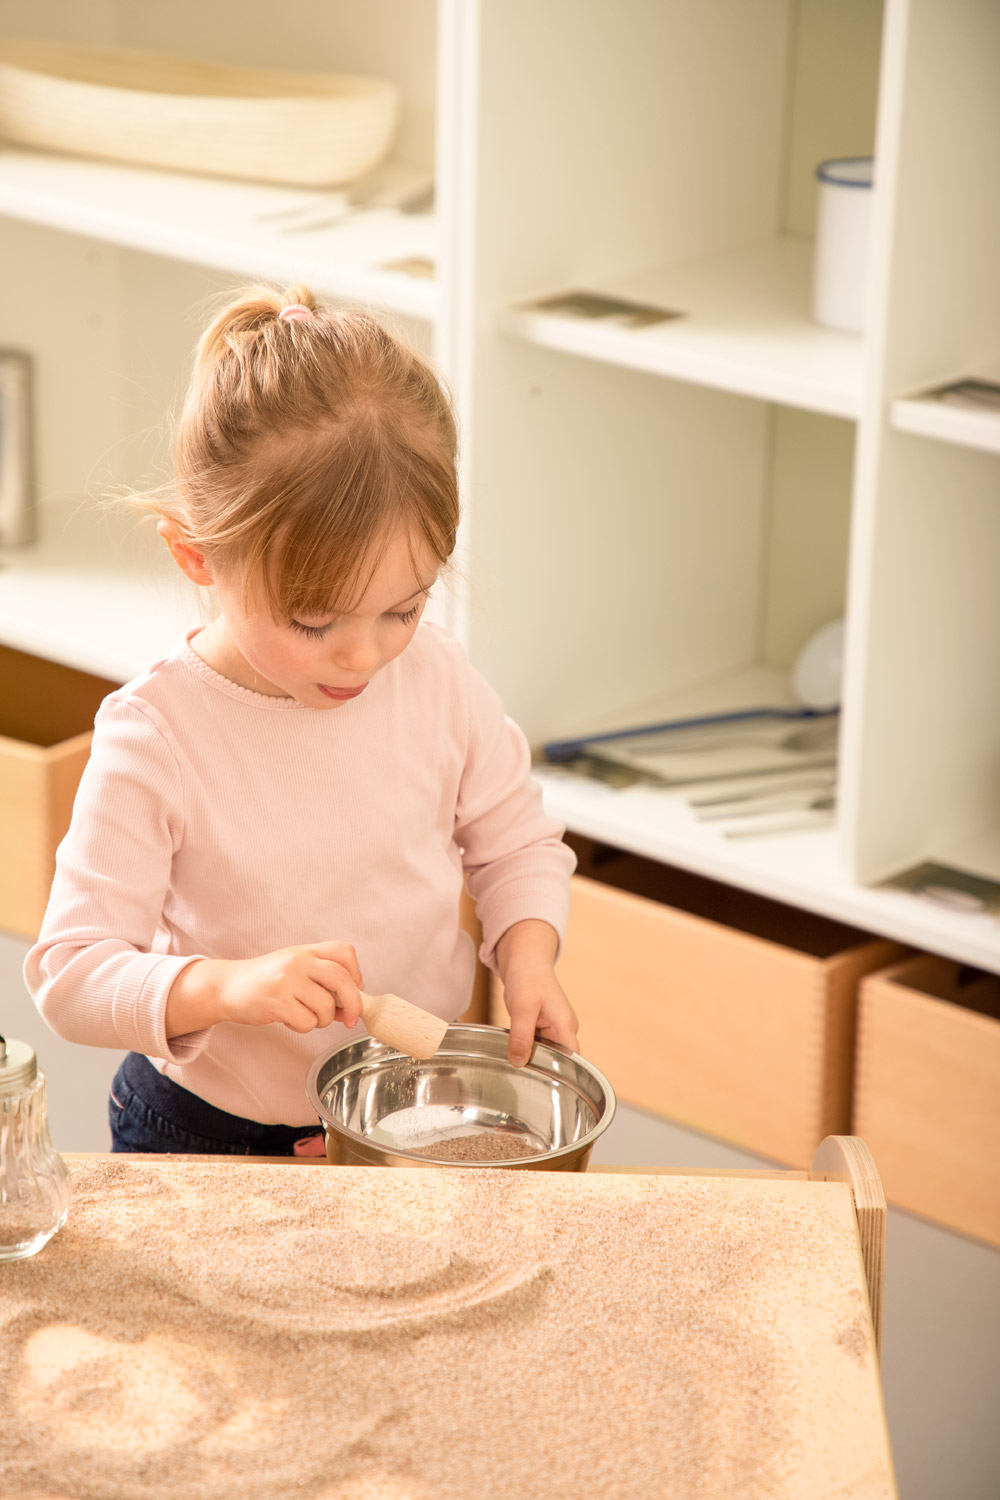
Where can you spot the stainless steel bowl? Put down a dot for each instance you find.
(382, 1108)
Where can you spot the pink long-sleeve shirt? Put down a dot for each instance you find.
(216, 822)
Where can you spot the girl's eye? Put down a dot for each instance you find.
(314, 632)
(408, 615)
(317, 632)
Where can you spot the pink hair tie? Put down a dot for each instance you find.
(295, 311)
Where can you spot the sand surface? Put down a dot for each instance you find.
(260, 1332)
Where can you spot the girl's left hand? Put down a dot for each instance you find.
(534, 997)
(538, 1008)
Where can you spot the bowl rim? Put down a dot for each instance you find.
(585, 1142)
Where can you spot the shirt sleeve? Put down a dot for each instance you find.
(92, 972)
(516, 864)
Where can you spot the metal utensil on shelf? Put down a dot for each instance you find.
(764, 826)
(767, 785)
(821, 801)
(415, 203)
(407, 190)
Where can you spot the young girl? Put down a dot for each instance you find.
(282, 811)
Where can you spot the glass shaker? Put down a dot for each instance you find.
(34, 1182)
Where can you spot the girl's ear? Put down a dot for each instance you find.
(190, 560)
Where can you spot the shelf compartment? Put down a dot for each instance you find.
(98, 592)
(949, 424)
(746, 328)
(220, 224)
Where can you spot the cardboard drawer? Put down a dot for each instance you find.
(46, 718)
(722, 1010)
(927, 1090)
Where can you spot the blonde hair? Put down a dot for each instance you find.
(303, 446)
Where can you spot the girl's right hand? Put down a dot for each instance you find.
(303, 988)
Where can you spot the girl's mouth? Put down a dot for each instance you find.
(340, 695)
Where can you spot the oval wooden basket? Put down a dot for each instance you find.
(310, 129)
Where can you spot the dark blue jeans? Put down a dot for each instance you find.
(148, 1112)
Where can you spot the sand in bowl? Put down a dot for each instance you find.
(483, 1146)
(236, 1332)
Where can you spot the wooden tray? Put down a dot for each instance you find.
(310, 129)
(229, 1328)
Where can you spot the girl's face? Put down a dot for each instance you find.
(323, 661)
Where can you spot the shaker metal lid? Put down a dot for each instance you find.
(18, 1066)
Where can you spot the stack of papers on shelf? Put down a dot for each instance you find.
(749, 743)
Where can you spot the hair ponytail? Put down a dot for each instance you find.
(257, 308)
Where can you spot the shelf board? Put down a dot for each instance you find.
(949, 424)
(746, 328)
(801, 869)
(215, 223)
(98, 592)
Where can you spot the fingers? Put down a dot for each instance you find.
(566, 1035)
(343, 954)
(522, 1039)
(339, 983)
(314, 1005)
(309, 1010)
(522, 1036)
(550, 1016)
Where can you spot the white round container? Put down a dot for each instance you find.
(843, 233)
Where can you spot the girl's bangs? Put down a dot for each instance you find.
(296, 575)
(325, 570)
(327, 530)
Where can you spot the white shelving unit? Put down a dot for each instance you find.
(654, 515)
(744, 327)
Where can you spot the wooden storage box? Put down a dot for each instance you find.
(927, 1090)
(46, 717)
(725, 1011)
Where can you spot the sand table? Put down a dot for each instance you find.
(257, 1332)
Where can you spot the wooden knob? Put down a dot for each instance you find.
(402, 1025)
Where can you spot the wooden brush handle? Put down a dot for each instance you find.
(402, 1025)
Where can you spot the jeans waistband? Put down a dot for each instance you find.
(190, 1112)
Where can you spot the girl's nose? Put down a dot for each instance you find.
(355, 649)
